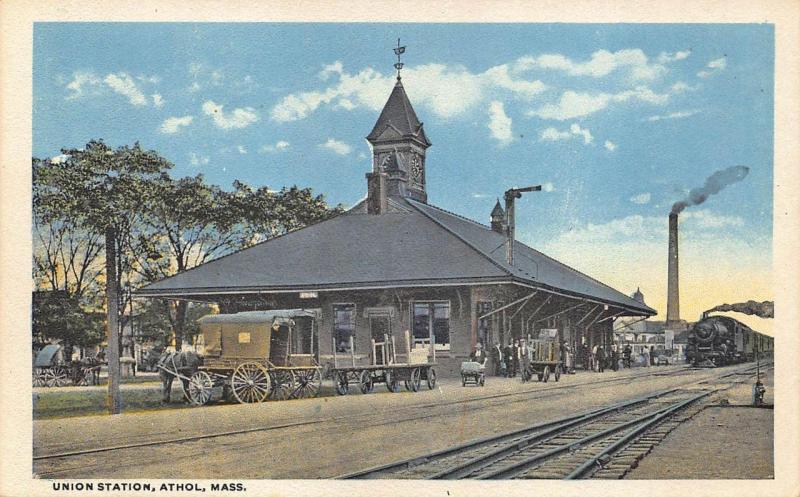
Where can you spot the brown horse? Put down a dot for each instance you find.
(183, 363)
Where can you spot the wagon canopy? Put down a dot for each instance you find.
(280, 317)
(251, 334)
(47, 356)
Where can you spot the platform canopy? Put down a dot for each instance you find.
(413, 245)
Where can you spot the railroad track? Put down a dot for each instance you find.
(603, 443)
(479, 402)
(64, 461)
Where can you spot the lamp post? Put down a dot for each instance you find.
(510, 195)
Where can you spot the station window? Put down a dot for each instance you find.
(344, 326)
(432, 322)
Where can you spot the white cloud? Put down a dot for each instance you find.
(328, 70)
(80, 84)
(336, 146)
(713, 67)
(172, 125)
(198, 160)
(601, 64)
(125, 85)
(241, 149)
(194, 87)
(610, 146)
(552, 134)
(681, 86)
(575, 129)
(499, 123)
(158, 100)
(705, 219)
(548, 187)
(641, 199)
(269, 148)
(238, 118)
(481, 195)
(573, 104)
(673, 115)
(448, 91)
(720, 63)
(666, 57)
(149, 79)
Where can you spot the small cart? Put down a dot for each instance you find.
(473, 373)
(544, 359)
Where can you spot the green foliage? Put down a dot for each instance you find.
(58, 316)
(164, 226)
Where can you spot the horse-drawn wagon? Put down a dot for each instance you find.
(51, 369)
(254, 356)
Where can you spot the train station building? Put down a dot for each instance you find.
(395, 263)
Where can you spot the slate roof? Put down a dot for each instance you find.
(398, 115)
(416, 245)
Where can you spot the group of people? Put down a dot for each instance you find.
(509, 360)
(506, 361)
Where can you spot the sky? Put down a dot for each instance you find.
(617, 122)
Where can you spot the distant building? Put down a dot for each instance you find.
(643, 334)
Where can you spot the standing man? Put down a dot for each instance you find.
(614, 358)
(652, 355)
(600, 358)
(497, 358)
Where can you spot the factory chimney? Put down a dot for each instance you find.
(673, 294)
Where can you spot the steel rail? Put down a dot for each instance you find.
(409, 463)
(516, 469)
(469, 466)
(630, 435)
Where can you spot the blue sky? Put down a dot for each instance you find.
(617, 121)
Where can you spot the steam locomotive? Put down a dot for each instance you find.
(720, 340)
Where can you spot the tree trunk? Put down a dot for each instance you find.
(180, 323)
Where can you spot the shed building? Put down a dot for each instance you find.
(395, 263)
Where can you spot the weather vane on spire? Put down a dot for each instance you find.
(397, 51)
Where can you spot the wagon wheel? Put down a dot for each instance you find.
(392, 383)
(414, 382)
(63, 377)
(282, 384)
(546, 374)
(250, 383)
(482, 380)
(463, 380)
(39, 377)
(342, 384)
(306, 383)
(82, 376)
(365, 382)
(431, 378)
(200, 388)
(558, 373)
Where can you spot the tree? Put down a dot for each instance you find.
(101, 191)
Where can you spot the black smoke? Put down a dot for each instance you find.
(714, 184)
(764, 309)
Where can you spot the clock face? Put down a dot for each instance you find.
(416, 168)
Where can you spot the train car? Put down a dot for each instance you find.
(720, 340)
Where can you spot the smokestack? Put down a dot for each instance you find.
(673, 294)
(377, 199)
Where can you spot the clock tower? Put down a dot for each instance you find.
(398, 146)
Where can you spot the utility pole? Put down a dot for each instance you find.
(113, 400)
(509, 197)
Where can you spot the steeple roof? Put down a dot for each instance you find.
(398, 120)
(498, 210)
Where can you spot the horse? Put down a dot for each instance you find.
(183, 363)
